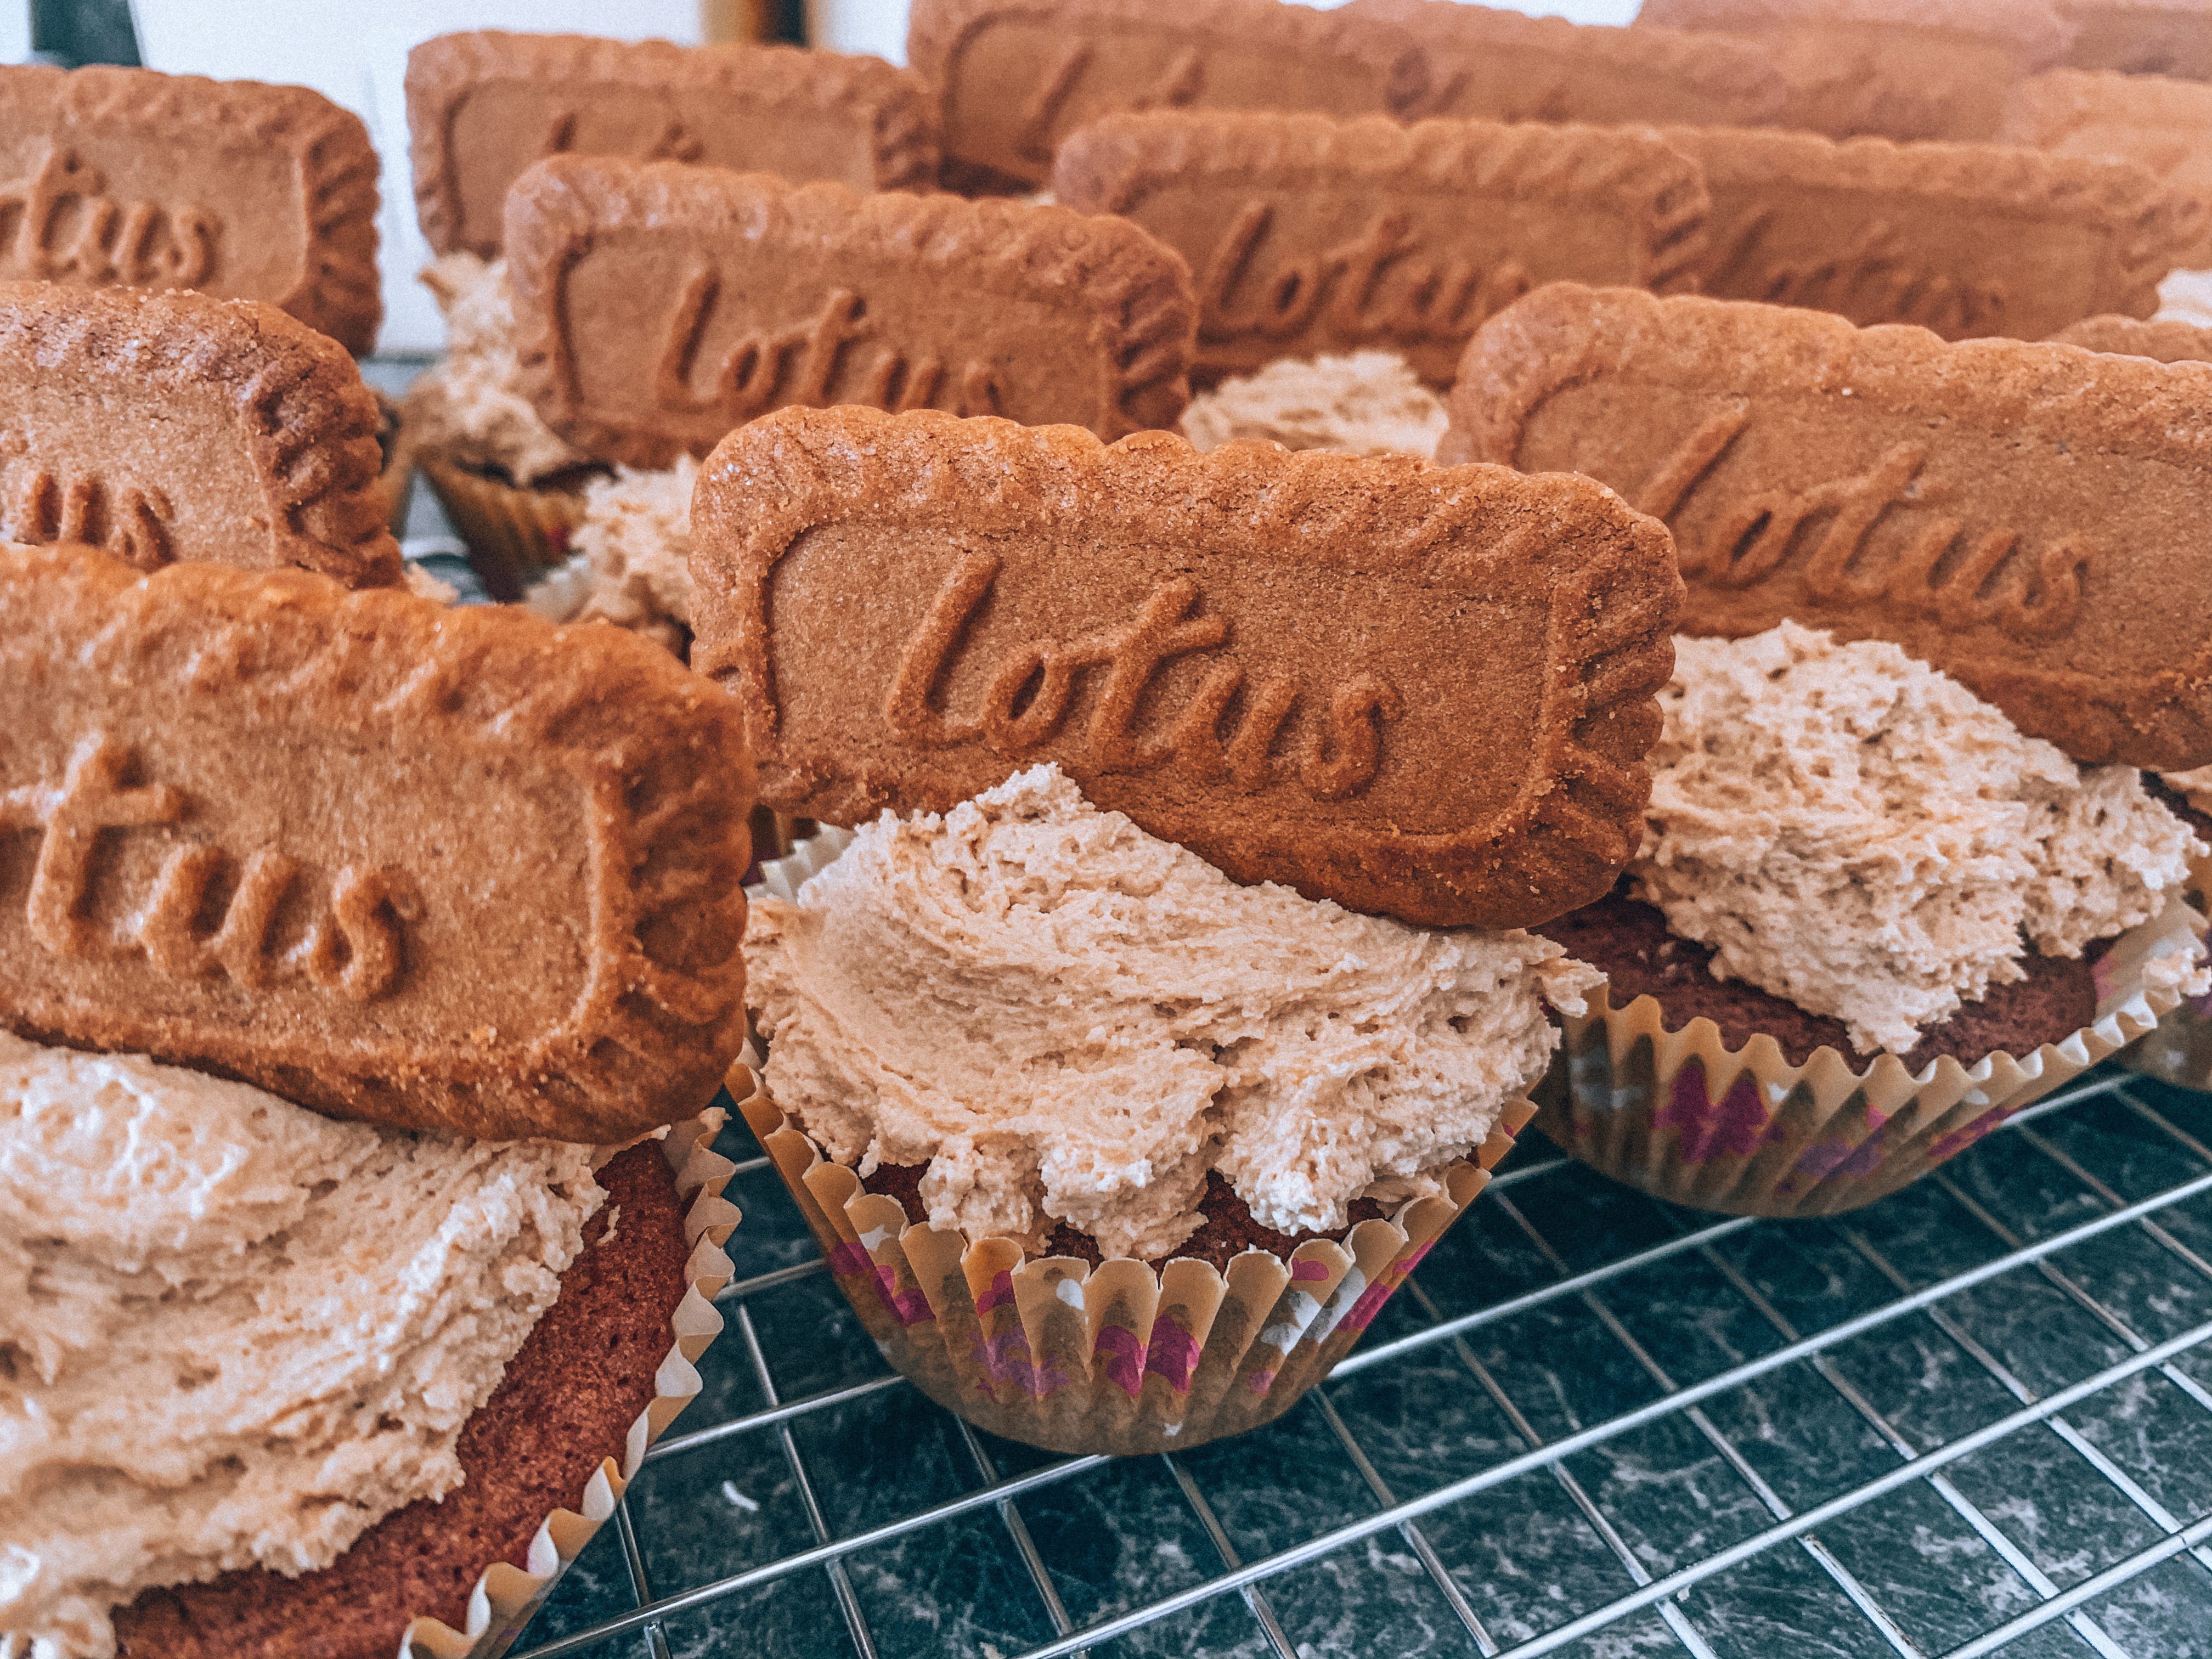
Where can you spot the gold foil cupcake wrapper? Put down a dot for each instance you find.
(505, 1596)
(1681, 1115)
(1119, 1358)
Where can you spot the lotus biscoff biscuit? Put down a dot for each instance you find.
(2162, 341)
(1490, 65)
(166, 427)
(1307, 236)
(1260, 655)
(2026, 518)
(1014, 77)
(2162, 125)
(1963, 239)
(1896, 69)
(2140, 37)
(127, 178)
(534, 933)
(483, 106)
(713, 297)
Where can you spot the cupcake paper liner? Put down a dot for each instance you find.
(2180, 1050)
(512, 534)
(1681, 1115)
(396, 483)
(1117, 1359)
(505, 1596)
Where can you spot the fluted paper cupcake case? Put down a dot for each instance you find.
(1120, 1358)
(513, 535)
(2180, 1050)
(505, 1596)
(1684, 1117)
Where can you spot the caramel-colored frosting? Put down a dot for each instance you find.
(1857, 833)
(1370, 403)
(1068, 1019)
(236, 1334)
(636, 535)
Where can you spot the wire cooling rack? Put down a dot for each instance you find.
(1974, 1418)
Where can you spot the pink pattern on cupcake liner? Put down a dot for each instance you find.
(908, 1307)
(1001, 1293)
(1006, 1358)
(1171, 1353)
(1372, 1298)
(1124, 1352)
(1737, 1124)
(1843, 1157)
(1305, 1270)
(1958, 1140)
(2100, 976)
(1840, 1159)
(1262, 1381)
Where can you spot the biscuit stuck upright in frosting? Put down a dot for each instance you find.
(423, 867)
(2026, 518)
(124, 178)
(1421, 692)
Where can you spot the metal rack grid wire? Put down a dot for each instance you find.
(1974, 1418)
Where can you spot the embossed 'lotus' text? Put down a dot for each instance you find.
(355, 947)
(1870, 280)
(1044, 114)
(802, 364)
(1029, 691)
(59, 225)
(1943, 571)
(1375, 286)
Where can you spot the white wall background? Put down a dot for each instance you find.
(354, 52)
(880, 26)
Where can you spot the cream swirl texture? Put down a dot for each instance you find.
(1068, 1019)
(236, 1334)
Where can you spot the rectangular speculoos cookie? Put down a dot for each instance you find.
(713, 297)
(1416, 691)
(2159, 123)
(128, 177)
(1894, 68)
(1307, 236)
(2141, 37)
(483, 106)
(1014, 77)
(450, 870)
(1489, 64)
(2028, 519)
(2169, 342)
(173, 426)
(1963, 239)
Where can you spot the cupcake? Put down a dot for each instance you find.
(513, 489)
(324, 1323)
(1870, 920)
(1110, 1152)
(404, 1356)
